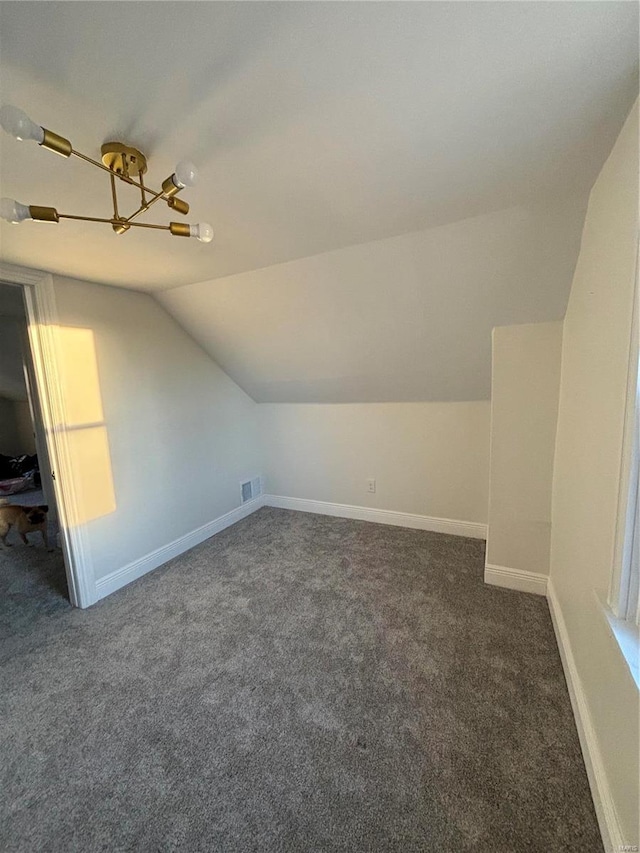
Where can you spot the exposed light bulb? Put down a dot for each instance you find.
(18, 124)
(185, 174)
(202, 231)
(13, 211)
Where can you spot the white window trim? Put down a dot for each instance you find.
(625, 603)
(623, 592)
(626, 635)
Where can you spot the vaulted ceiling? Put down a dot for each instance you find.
(407, 318)
(387, 181)
(315, 125)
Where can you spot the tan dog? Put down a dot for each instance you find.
(26, 519)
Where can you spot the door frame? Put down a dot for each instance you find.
(42, 325)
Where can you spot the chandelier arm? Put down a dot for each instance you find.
(113, 221)
(142, 209)
(114, 196)
(149, 225)
(87, 218)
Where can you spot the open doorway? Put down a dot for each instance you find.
(33, 572)
(45, 363)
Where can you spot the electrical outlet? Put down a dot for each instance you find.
(371, 485)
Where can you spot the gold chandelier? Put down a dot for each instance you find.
(123, 163)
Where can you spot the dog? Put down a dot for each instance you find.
(26, 519)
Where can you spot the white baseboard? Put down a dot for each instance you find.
(136, 569)
(523, 581)
(608, 821)
(470, 529)
(515, 579)
(121, 577)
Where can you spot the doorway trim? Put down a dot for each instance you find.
(42, 324)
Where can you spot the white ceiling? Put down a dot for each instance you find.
(315, 125)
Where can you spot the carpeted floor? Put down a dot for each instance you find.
(296, 683)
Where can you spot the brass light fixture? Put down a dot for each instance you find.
(123, 163)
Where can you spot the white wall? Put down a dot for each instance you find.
(176, 434)
(595, 361)
(427, 458)
(525, 384)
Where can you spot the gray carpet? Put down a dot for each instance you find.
(297, 683)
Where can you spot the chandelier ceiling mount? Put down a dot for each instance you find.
(123, 159)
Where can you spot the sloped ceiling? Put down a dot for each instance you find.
(402, 319)
(387, 181)
(315, 125)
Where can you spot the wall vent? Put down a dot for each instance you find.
(250, 489)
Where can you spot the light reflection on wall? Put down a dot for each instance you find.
(85, 428)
